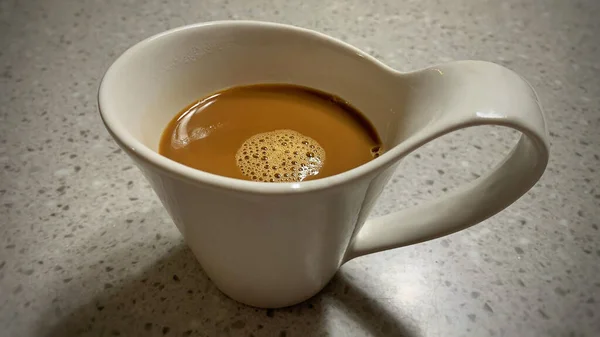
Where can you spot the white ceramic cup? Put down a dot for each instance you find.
(277, 244)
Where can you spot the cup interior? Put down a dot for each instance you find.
(158, 77)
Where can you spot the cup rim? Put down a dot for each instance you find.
(139, 150)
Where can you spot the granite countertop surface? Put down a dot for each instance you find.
(87, 249)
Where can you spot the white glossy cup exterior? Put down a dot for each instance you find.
(274, 245)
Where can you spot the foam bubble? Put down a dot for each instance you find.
(280, 156)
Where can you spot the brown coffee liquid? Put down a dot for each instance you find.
(271, 133)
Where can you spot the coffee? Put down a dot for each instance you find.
(271, 133)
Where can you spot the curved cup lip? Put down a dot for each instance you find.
(198, 177)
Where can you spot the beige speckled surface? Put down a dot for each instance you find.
(86, 249)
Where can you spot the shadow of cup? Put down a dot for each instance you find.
(174, 297)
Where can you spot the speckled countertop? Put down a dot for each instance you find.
(86, 248)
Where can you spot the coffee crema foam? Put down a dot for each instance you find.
(280, 156)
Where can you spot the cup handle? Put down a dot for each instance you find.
(472, 93)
